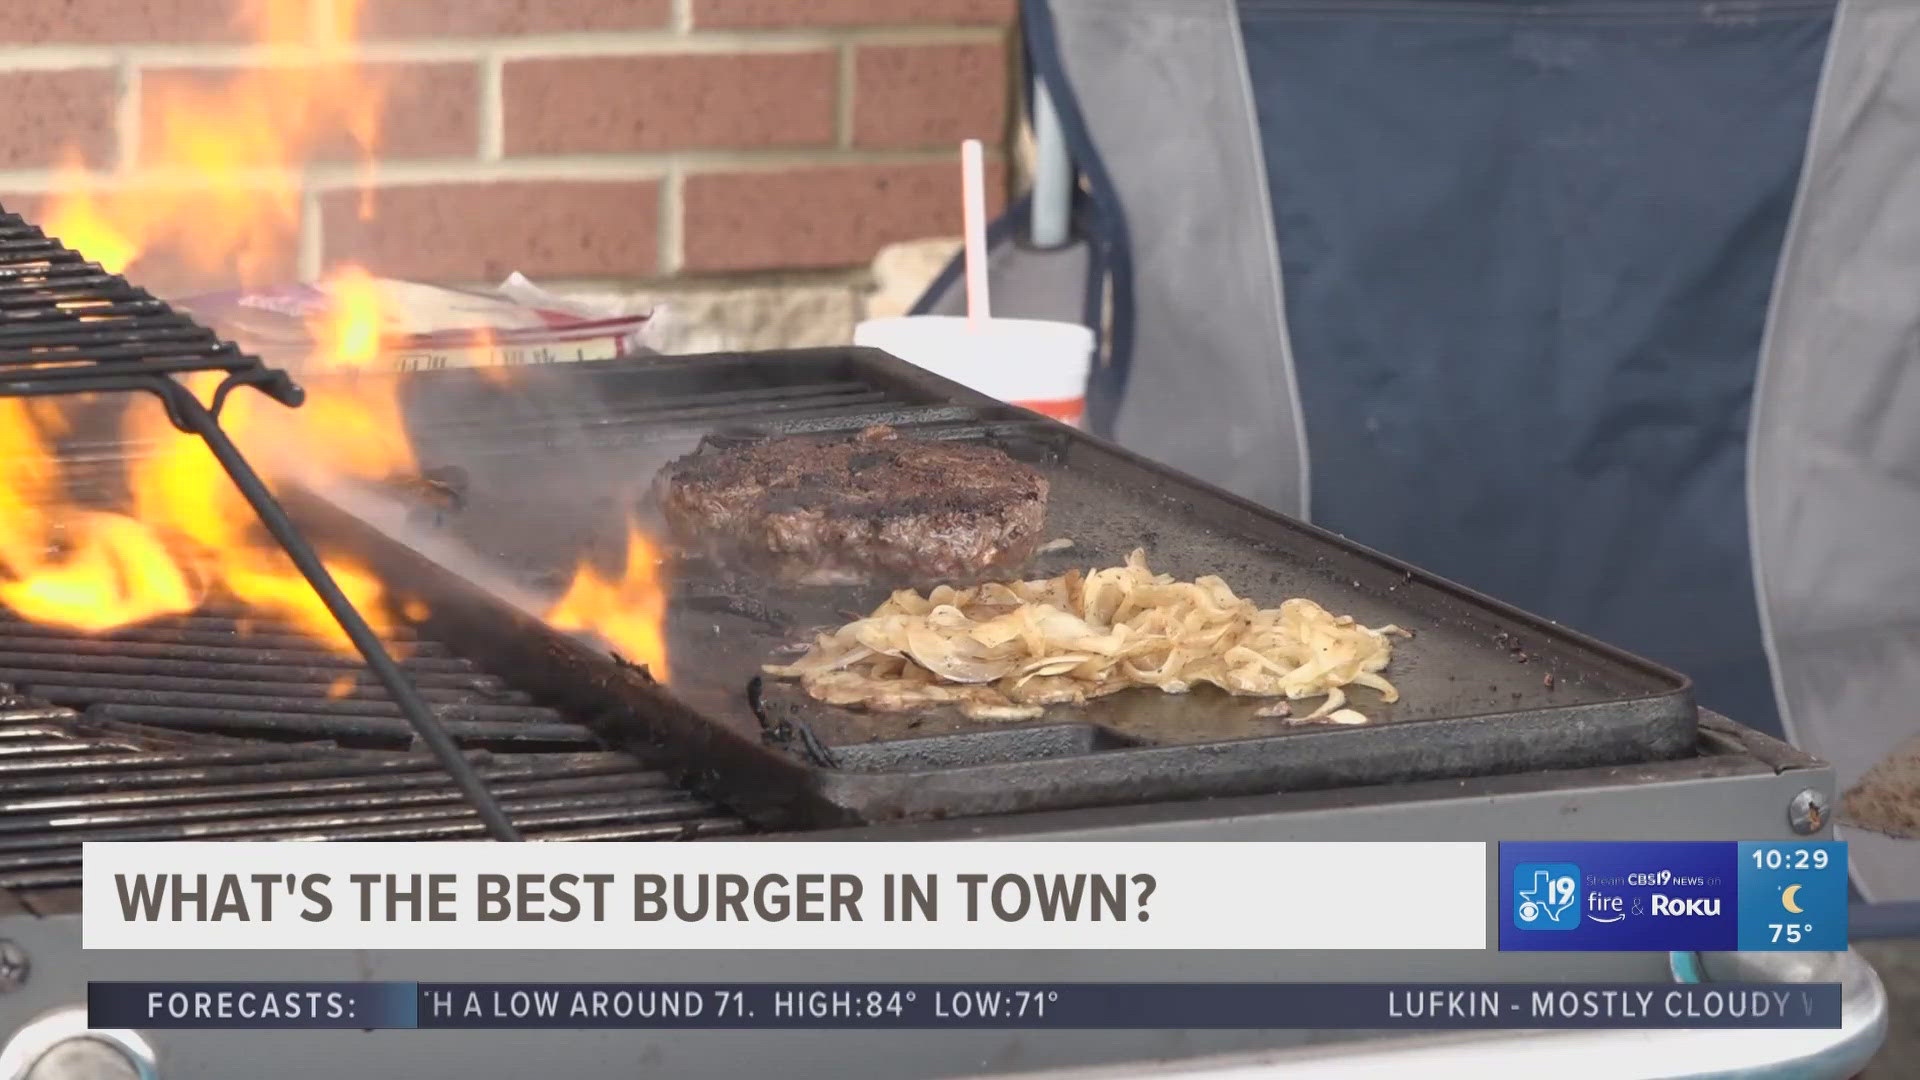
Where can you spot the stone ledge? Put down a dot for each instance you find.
(724, 318)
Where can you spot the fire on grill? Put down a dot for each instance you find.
(217, 195)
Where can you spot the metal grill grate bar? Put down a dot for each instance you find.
(230, 799)
(78, 780)
(687, 820)
(357, 728)
(229, 674)
(233, 653)
(434, 810)
(83, 758)
(30, 669)
(316, 704)
(81, 324)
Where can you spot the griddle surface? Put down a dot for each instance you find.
(1484, 689)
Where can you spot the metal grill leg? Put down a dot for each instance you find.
(188, 409)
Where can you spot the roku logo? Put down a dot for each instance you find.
(1668, 905)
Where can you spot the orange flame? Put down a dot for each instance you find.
(218, 186)
(217, 192)
(629, 612)
(85, 569)
(181, 491)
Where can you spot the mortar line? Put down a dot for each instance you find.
(844, 104)
(636, 43)
(493, 108)
(673, 221)
(127, 115)
(333, 175)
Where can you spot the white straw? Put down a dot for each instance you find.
(973, 183)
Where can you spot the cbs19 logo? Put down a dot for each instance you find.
(1546, 896)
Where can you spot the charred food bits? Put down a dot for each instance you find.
(876, 506)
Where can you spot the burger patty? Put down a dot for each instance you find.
(875, 507)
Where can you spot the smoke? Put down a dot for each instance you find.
(557, 465)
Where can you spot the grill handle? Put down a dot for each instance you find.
(195, 417)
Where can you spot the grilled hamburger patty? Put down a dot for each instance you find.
(873, 507)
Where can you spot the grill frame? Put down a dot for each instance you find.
(785, 783)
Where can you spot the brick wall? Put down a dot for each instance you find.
(630, 140)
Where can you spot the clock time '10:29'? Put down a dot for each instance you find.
(1801, 859)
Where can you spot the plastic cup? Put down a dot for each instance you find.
(1033, 363)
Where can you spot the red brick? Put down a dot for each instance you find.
(492, 18)
(819, 218)
(613, 104)
(26, 204)
(191, 21)
(50, 114)
(427, 110)
(787, 13)
(929, 95)
(34, 22)
(483, 232)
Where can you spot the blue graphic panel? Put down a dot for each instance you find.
(1793, 897)
(1629, 897)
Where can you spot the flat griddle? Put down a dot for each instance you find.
(559, 458)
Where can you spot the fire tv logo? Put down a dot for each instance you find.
(1546, 896)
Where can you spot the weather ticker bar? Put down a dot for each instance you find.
(910, 1006)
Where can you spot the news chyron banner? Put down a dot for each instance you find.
(774, 897)
(751, 896)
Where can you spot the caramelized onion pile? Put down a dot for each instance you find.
(1003, 651)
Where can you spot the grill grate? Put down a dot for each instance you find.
(68, 778)
(240, 676)
(68, 327)
(224, 725)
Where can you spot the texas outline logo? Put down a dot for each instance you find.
(1546, 896)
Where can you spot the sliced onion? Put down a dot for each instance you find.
(1004, 649)
(940, 656)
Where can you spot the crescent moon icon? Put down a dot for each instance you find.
(1786, 899)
